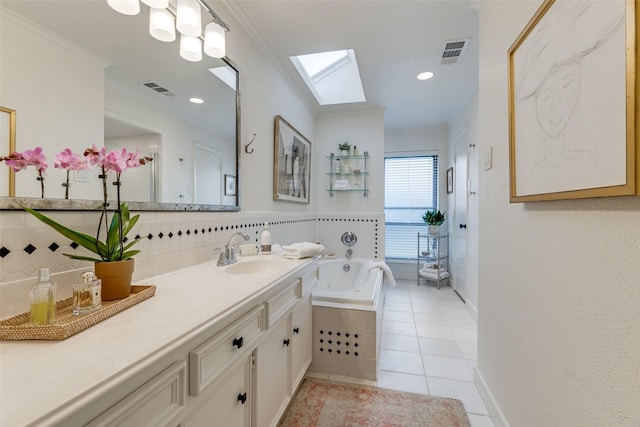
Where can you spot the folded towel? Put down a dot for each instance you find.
(302, 250)
(432, 270)
(388, 275)
(346, 186)
(434, 276)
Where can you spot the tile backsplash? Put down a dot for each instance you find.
(170, 241)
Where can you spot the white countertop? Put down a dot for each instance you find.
(41, 378)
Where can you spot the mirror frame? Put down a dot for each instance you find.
(17, 203)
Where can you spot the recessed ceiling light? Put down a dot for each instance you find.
(196, 100)
(425, 76)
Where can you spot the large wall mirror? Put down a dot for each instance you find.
(77, 73)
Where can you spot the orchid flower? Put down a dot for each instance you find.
(68, 160)
(19, 161)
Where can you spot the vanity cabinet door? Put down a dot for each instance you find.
(300, 341)
(229, 404)
(272, 374)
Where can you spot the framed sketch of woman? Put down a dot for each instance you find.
(572, 102)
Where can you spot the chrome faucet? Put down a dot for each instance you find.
(228, 255)
(348, 254)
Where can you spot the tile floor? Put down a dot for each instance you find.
(429, 345)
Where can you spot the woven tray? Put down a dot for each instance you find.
(19, 327)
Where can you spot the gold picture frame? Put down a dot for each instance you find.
(572, 103)
(8, 140)
(291, 164)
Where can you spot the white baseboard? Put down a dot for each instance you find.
(473, 311)
(489, 400)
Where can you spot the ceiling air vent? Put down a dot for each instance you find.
(158, 88)
(453, 51)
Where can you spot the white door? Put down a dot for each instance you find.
(207, 175)
(460, 192)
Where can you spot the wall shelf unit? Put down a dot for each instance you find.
(348, 174)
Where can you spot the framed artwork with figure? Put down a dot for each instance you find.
(291, 164)
(572, 118)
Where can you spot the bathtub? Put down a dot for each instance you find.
(347, 318)
(359, 287)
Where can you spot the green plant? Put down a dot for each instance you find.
(344, 146)
(434, 217)
(112, 249)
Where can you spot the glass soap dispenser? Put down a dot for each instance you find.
(86, 294)
(42, 298)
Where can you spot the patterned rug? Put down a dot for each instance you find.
(322, 403)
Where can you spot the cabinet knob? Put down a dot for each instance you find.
(237, 343)
(286, 342)
(242, 398)
(463, 226)
(296, 330)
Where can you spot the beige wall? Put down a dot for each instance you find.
(559, 282)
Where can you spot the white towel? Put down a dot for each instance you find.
(434, 275)
(388, 275)
(302, 250)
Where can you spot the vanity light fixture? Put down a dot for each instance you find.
(188, 18)
(214, 40)
(157, 4)
(126, 7)
(185, 16)
(190, 48)
(162, 25)
(425, 76)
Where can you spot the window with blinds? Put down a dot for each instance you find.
(410, 188)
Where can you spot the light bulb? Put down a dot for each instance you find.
(126, 7)
(190, 48)
(158, 4)
(214, 40)
(162, 25)
(189, 20)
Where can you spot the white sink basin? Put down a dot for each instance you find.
(256, 266)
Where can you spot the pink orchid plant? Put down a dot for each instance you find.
(19, 161)
(113, 248)
(69, 161)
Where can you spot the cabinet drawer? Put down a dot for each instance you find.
(308, 281)
(211, 358)
(156, 403)
(281, 303)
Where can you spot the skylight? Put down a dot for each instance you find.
(226, 74)
(332, 77)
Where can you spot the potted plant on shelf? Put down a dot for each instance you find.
(434, 219)
(114, 262)
(344, 148)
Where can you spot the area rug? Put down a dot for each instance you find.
(322, 403)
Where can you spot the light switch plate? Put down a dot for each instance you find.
(82, 176)
(487, 158)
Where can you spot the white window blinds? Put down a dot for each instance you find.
(410, 188)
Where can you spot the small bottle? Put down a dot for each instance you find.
(355, 150)
(42, 299)
(86, 294)
(338, 166)
(265, 240)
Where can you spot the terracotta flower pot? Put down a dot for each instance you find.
(116, 278)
